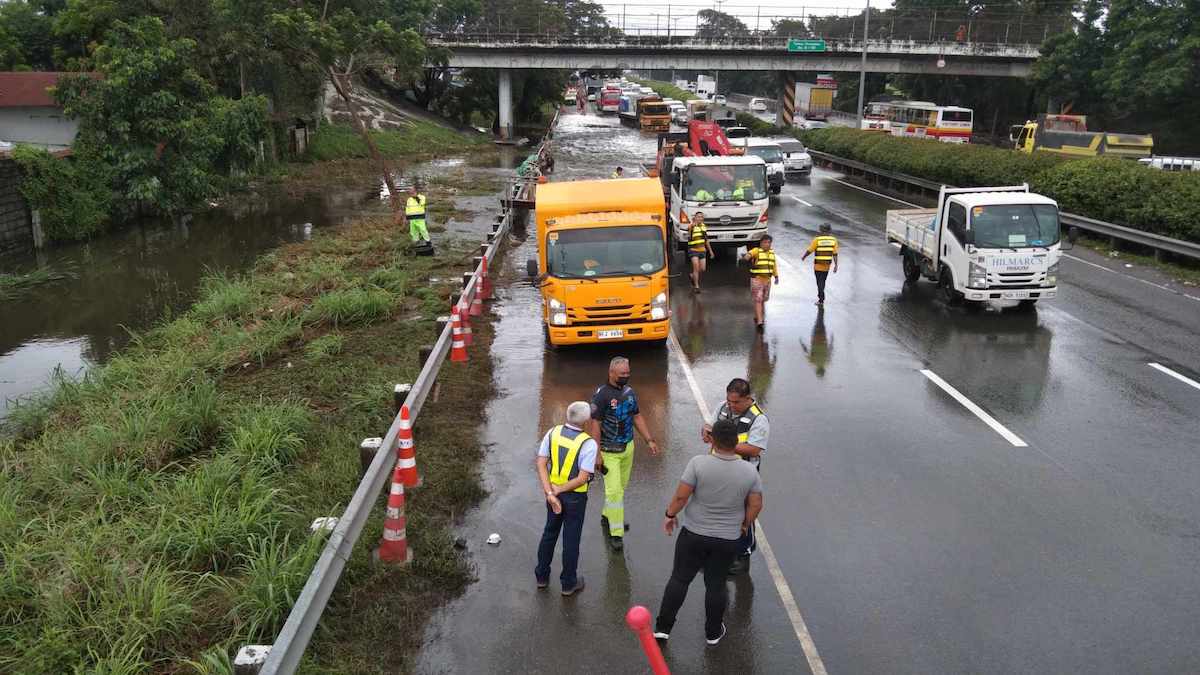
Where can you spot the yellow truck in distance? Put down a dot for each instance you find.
(1068, 135)
(602, 261)
(653, 114)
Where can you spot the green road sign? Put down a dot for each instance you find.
(798, 45)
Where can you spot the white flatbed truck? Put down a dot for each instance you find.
(982, 244)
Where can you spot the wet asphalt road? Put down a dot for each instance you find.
(913, 536)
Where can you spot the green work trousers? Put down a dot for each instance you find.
(619, 465)
(417, 230)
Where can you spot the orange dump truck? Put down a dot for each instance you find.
(602, 261)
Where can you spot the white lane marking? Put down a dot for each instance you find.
(800, 200)
(979, 412)
(877, 194)
(1118, 273)
(1065, 255)
(1182, 378)
(815, 664)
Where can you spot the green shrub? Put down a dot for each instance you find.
(339, 141)
(1113, 190)
(74, 195)
(354, 305)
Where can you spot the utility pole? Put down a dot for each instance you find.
(862, 73)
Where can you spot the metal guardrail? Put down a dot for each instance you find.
(288, 650)
(1156, 242)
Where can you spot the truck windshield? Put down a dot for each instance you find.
(769, 153)
(605, 251)
(655, 109)
(724, 183)
(1014, 225)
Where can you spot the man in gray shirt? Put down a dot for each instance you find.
(718, 498)
(754, 432)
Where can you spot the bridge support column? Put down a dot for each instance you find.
(785, 114)
(505, 98)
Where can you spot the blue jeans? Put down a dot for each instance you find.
(570, 521)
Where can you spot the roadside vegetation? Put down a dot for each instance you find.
(1112, 190)
(420, 140)
(12, 285)
(155, 514)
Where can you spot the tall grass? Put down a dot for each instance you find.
(155, 512)
(336, 141)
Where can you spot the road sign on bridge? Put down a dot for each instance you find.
(798, 45)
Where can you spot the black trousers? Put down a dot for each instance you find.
(821, 277)
(693, 553)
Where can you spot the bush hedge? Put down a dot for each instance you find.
(1112, 190)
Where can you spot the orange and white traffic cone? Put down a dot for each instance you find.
(406, 453)
(458, 350)
(476, 303)
(467, 334)
(393, 547)
(484, 280)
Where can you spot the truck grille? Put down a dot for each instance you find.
(609, 314)
(1016, 279)
(740, 222)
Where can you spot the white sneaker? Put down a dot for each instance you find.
(713, 641)
(662, 636)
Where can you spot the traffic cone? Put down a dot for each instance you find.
(393, 548)
(476, 303)
(458, 351)
(467, 333)
(485, 280)
(406, 453)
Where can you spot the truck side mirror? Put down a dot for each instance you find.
(1072, 234)
(531, 267)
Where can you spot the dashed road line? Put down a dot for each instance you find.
(815, 664)
(800, 200)
(979, 412)
(1182, 378)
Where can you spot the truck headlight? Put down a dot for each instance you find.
(555, 303)
(558, 319)
(658, 307)
(1051, 276)
(976, 276)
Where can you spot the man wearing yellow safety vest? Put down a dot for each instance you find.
(824, 248)
(619, 172)
(414, 213)
(699, 249)
(566, 461)
(753, 436)
(763, 268)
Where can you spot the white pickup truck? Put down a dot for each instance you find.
(982, 244)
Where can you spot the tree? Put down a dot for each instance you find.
(26, 42)
(341, 46)
(713, 24)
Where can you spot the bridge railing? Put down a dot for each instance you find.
(499, 40)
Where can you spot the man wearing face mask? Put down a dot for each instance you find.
(615, 415)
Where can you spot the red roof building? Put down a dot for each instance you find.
(29, 115)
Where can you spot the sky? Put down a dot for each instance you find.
(681, 15)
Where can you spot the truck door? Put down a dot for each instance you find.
(953, 247)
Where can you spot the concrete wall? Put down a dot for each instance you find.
(44, 127)
(15, 229)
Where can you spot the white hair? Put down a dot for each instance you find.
(618, 361)
(578, 413)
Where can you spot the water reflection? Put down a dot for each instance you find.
(820, 345)
(1003, 357)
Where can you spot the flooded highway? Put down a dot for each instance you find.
(945, 490)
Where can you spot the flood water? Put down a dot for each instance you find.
(131, 278)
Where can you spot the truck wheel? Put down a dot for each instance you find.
(946, 285)
(912, 271)
(550, 346)
(776, 189)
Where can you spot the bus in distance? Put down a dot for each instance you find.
(922, 119)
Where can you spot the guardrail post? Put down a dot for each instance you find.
(250, 659)
(366, 453)
(401, 391)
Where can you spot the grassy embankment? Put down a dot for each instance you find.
(155, 515)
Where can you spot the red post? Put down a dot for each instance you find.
(638, 619)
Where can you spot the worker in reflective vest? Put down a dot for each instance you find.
(699, 250)
(566, 461)
(824, 249)
(414, 213)
(753, 436)
(763, 268)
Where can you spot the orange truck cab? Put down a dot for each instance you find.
(602, 261)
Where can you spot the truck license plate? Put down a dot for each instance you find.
(610, 334)
(1016, 295)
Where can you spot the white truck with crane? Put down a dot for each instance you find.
(982, 244)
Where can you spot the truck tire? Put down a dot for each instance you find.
(550, 346)
(946, 286)
(912, 270)
(776, 189)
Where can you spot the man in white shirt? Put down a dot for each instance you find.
(566, 461)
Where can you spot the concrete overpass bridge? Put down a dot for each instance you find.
(508, 52)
